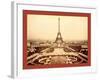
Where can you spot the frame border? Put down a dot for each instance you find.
(14, 34)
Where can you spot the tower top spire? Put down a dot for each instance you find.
(59, 24)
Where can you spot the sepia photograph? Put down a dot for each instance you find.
(56, 39)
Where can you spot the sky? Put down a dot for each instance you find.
(45, 27)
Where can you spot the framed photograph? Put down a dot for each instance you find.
(49, 37)
(56, 39)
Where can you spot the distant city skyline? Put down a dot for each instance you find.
(45, 27)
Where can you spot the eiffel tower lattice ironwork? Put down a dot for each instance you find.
(59, 39)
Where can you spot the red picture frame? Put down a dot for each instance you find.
(26, 12)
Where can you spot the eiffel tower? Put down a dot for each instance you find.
(59, 39)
